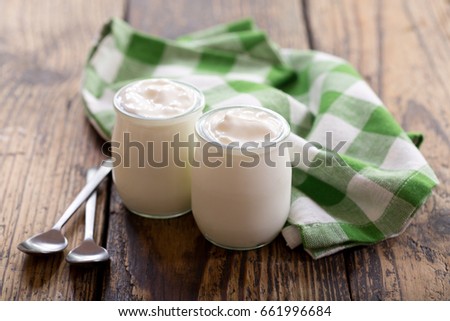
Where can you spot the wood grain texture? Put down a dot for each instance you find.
(170, 259)
(282, 21)
(46, 142)
(402, 48)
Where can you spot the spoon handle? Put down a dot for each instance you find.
(89, 212)
(87, 190)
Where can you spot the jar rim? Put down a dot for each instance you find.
(197, 105)
(201, 133)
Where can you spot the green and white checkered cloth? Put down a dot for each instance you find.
(375, 182)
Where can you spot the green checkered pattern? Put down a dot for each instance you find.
(359, 179)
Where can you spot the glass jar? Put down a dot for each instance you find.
(241, 192)
(151, 158)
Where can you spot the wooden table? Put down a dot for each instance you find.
(401, 47)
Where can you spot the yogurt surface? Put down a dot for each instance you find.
(242, 125)
(156, 98)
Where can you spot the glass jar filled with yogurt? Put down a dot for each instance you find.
(241, 188)
(151, 144)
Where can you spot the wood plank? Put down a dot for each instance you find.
(283, 22)
(169, 259)
(401, 47)
(46, 142)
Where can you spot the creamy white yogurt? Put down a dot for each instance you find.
(241, 125)
(156, 98)
(241, 206)
(150, 115)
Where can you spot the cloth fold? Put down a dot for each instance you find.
(359, 178)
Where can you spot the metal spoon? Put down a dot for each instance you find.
(88, 251)
(53, 241)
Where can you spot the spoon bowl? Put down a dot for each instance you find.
(87, 252)
(52, 241)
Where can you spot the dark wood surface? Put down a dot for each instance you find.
(402, 49)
